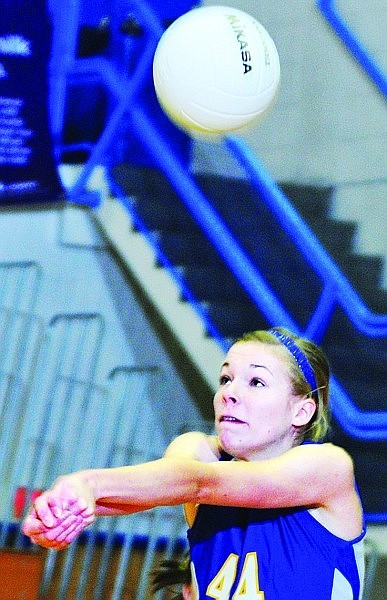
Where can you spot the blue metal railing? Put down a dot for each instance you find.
(331, 13)
(337, 291)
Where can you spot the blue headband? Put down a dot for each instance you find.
(298, 355)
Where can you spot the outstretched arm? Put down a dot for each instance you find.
(318, 476)
(61, 513)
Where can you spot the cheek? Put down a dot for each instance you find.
(268, 416)
(217, 400)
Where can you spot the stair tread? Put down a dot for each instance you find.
(234, 319)
(165, 212)
(189, 248)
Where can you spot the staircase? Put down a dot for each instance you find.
(357, 362)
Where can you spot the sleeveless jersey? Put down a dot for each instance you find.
(272, 554)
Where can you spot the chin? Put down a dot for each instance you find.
(230, 445)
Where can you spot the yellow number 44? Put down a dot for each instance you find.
(248, 584)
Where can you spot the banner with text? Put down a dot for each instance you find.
(28, 173)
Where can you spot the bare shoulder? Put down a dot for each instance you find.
(194, 445)
(327, 449)
(328, 466)
(340, 511)
(328, 459)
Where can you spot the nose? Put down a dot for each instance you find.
(229, 394)
(229, 398)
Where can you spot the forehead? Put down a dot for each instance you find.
(245, 354)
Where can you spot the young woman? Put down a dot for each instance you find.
(272, 513)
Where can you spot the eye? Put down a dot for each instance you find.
(223, 379)
(256, 382)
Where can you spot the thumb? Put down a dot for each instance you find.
(47, 509)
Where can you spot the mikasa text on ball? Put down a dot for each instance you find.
(216, 69)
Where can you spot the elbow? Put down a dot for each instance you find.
(202, 484)
(208, 488)
(188, 479)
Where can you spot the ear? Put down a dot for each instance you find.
(187, 592)
(305, 408)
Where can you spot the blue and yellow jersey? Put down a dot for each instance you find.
(272, 554)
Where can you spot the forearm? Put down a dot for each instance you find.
(62, 512)
(139, 487)
(274, 483)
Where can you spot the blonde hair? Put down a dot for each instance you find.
(318, 426)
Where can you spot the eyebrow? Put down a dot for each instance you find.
(261, 367)
(252, 365)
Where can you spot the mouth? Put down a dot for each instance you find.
(229, 419)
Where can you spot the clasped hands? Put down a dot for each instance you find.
(60, 514)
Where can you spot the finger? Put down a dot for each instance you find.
(80, 506)
(72, 523)
(59, 536)
(75, 526)
(62, 525)
(54, 504)
(71, 532)
(65, 533)
(41, 540)
(32, 526)
(44, 507)
(78, 528)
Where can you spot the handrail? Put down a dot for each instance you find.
(365, 425)
(339, 289)
(332, 15)
(65, 65)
